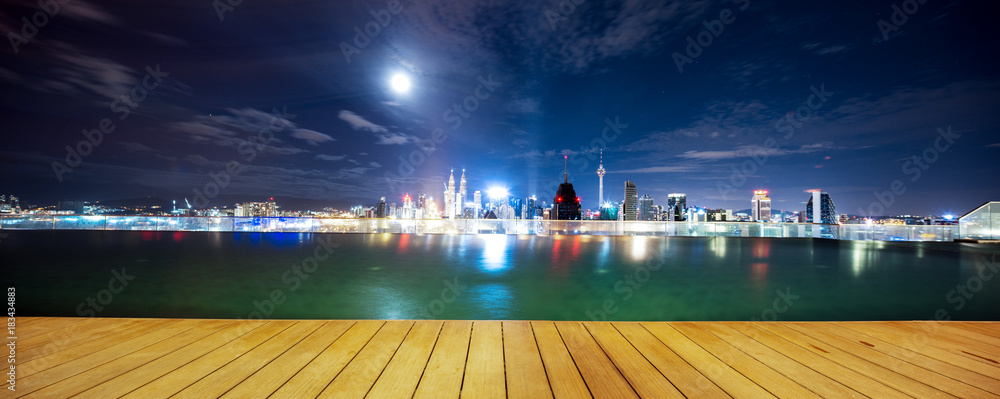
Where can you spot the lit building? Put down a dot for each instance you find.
(381, 208)
(629, 206)
(647, 211)
(461, 197)
(600, 175)
(566, 205)
(719, 215)
(760, 206)
(449, 197)
(820, 209)
(677, 205)
(256, 209)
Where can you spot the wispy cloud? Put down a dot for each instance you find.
(385, 137)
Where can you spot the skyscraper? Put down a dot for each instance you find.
(820, 209)
(631, 197)
(566, 205)
(477, 199)
(381, 208)
(677, 204)
(646, 210)
(449, 197)
(760, 206)
(461, 197)
(600, 174)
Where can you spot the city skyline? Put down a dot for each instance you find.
(116, 100)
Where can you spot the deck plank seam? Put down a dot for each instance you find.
(644, 357)
(423, 370)
(394, 352)
(86, 342)
(56, 331)
(956, 381)
(236, 358)
(368, 341)
(503, 364)
(534, 338)
(465, 364)
(876, 365)
(205, 375)
(180, 366)
(692, 365)
(671, 325)
(610, 359)
(320, 352)
(570, 354)
(287, 348)
(751, 356)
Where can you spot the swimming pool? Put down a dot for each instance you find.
(509, 277)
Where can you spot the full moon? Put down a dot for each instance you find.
(400, 83)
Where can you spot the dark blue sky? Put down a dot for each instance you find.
(330, 128)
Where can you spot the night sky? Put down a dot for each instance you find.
(287, 99)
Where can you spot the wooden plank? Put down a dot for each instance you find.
(401, 375)
(315, 376)
(962, 376)
(943, 337)
(69, 354)
(932, 378)
(808, 377)
(730, 380)
(602, 377)
(233, 373)
(27, 327)
(886, 376)
(522, 362)
(916, 343)
(79, 341)
(563, 375)
(774, 382)
(180, 378)
(127, 361)
(985, 328)
(443, 375)
(688, 381)
(821, 364)
(360, 374)
(269, 378)
(484, 369)
(28, 340)
(952, 330)
(134, 378)
(644, 378)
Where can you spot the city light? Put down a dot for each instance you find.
(497, 192)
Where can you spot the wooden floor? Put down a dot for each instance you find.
(155, 358)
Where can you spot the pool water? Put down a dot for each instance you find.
(509, 277)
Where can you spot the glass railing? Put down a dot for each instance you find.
(467, 226)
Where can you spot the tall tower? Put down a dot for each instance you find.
(629, 207)
(460, 207)
(449, 197)
(600, 174)
(760, 206)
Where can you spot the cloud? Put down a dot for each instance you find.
(753, 150)
(375, 164)
(311, 136)
(359, 123)
(88, 12)
(331, 158)
(136, 147)
(994, 145)
(80, 74)
(525, 106)
(656, 169)
(819, 49)
(197, 159)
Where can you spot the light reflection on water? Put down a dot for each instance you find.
(504, 276)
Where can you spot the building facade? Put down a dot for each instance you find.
(760, 206)
(820, 209)
(629, 207)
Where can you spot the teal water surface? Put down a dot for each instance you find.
(400, 276)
